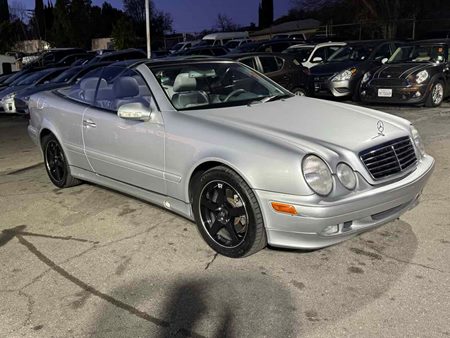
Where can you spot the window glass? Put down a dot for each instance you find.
(219, 51)
(419, 53)
(302, 53)
(383, 52)
(271, 64)
(251, 62)
(213, 84)
(117, 88)
(84, 90)
(66, 75)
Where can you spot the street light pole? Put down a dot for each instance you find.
(147, 24)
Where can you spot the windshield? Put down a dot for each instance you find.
(232, 44)
(247, 47)
(351, 53)
(419, 53)
(66, 75)
(177, 46)
(301, 53)
(33, 77)
(214, 84)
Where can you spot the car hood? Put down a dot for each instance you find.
(333, 67)
(401, 70)
(310, 123)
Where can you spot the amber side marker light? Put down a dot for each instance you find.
(284, 208)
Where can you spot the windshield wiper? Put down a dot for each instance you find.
(275, 98)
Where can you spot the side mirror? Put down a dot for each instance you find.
(384, 60)
(135, 111)
(317, 59)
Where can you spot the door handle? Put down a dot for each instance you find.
(89, 123)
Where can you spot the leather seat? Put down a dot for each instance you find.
(186, 94)
(126, 90)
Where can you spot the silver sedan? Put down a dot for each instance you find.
(221, 144)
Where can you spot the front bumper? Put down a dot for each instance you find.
(351, 215)
(416, 94)
(324, 86)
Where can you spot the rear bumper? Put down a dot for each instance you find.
(351, 215)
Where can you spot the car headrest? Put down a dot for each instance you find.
(91, 83)
(184, 83)
(125, 87)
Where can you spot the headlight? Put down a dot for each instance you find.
(366, 77)
(417, 141)
(346, 175)
(9, 96)
(345, 75)
(421, 76)
(26, 99)
(317, 175)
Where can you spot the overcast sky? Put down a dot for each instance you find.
(196, 15)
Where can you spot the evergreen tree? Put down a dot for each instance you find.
(4, 11)
(39, 18)
(265, 13)
(60, 34)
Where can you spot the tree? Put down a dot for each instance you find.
(4, 11)
(265, 13)
(39, 18)
(225, 24)
(60, 33)
(160, 21)
(123, 34)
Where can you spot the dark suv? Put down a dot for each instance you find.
(284, 69)
(342, 74)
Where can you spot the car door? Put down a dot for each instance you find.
(127, 151)
(272, 66)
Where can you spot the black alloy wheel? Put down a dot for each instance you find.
(227, 213)
(223, 214)
(56, 163)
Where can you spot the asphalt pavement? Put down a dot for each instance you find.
(91, 262)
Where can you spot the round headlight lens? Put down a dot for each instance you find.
(417, 140)
(346, 175)
(421, 76)
(317, 175)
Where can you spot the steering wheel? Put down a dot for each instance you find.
(234, 93)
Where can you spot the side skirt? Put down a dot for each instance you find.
(166, 202)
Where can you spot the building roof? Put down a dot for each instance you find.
(290, 26)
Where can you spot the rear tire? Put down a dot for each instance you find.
(227, 213)
(436, 95)
(56, 163)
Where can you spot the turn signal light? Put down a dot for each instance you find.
(284, 208)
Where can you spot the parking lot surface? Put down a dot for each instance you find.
(90, 262)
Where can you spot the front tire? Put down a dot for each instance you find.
(227, 213)
(299, 92)
(436, 95)
(56, 163)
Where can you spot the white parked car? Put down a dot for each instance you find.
(312, 55)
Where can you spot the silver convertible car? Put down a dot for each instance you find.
(223, 145)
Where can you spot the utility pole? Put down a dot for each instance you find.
(147, 24)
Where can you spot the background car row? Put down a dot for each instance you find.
(372, 71)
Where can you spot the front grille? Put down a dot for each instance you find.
(389, 158)
(389, 83)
